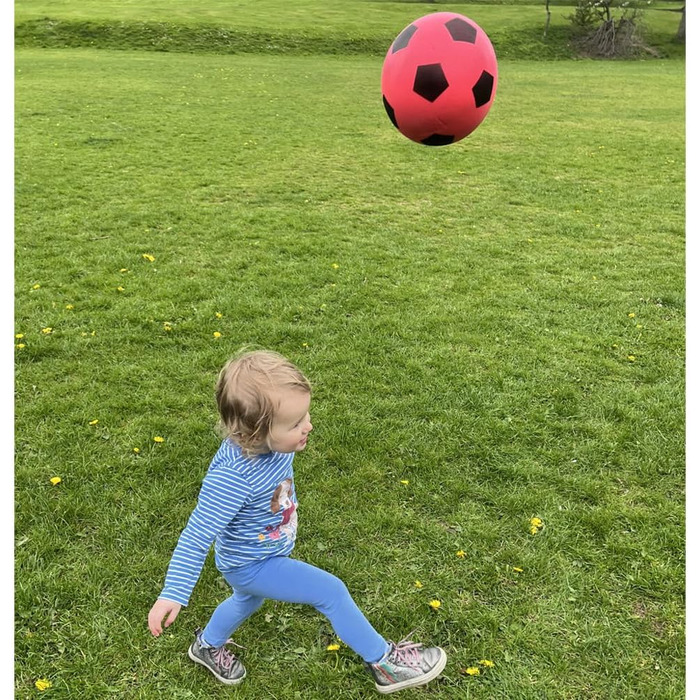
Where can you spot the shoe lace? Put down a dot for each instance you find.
(405, 652)
(223, 657)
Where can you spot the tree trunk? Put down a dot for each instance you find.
(680, 34)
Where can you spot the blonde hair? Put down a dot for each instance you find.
(245, 396)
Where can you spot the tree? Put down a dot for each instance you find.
(608, 31)
(680, 34)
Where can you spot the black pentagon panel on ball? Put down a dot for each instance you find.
(401, 41)
(438, 140)
(390, 111)
(483, 88)
(461, 30)
(430, 81)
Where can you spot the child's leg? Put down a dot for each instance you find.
(294, 581)
(229, 615)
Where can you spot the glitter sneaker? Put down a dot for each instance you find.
(219, 660)
(407, 665)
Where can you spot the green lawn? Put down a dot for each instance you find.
(316, 15)
(499, 323)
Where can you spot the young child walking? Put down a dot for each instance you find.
(247, 507)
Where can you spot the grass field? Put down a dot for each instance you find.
(494, 331)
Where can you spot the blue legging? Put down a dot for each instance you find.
(294, 581)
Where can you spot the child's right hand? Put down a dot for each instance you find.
(162, 608)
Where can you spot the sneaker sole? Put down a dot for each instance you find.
(227, 681)
(434, 672)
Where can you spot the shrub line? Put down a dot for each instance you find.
(166, 36)
(179, 38)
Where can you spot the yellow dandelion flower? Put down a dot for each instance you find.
(36, 286)
(418, 584)
(335, 266)
(631, 358)
(487, 663)
(94, 422)
(148, 257)
(435, 604)
(19, 336)
(123, 270)
(55, 480)
(536, 525)
(120, 289)
(518, 569)
(47, 331)
(404, 482)
(472, 671)
(304, 345)
(167, 326)
(631, 315)
(43, 684)
(219, 314)
(333, 647)
(19, 346)
(461, 554)
(217, 334)
(158, 439)
(70, 307)
(137, 450)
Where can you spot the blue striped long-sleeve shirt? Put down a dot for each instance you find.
(246, 507)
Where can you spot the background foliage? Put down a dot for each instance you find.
(516, 29)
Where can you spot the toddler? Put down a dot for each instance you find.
(247, 507)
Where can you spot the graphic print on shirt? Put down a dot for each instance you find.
(283, 501)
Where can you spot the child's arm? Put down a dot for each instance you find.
(221, 497)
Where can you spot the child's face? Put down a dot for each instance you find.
(292, 423)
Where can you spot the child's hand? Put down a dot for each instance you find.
(162, 608)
